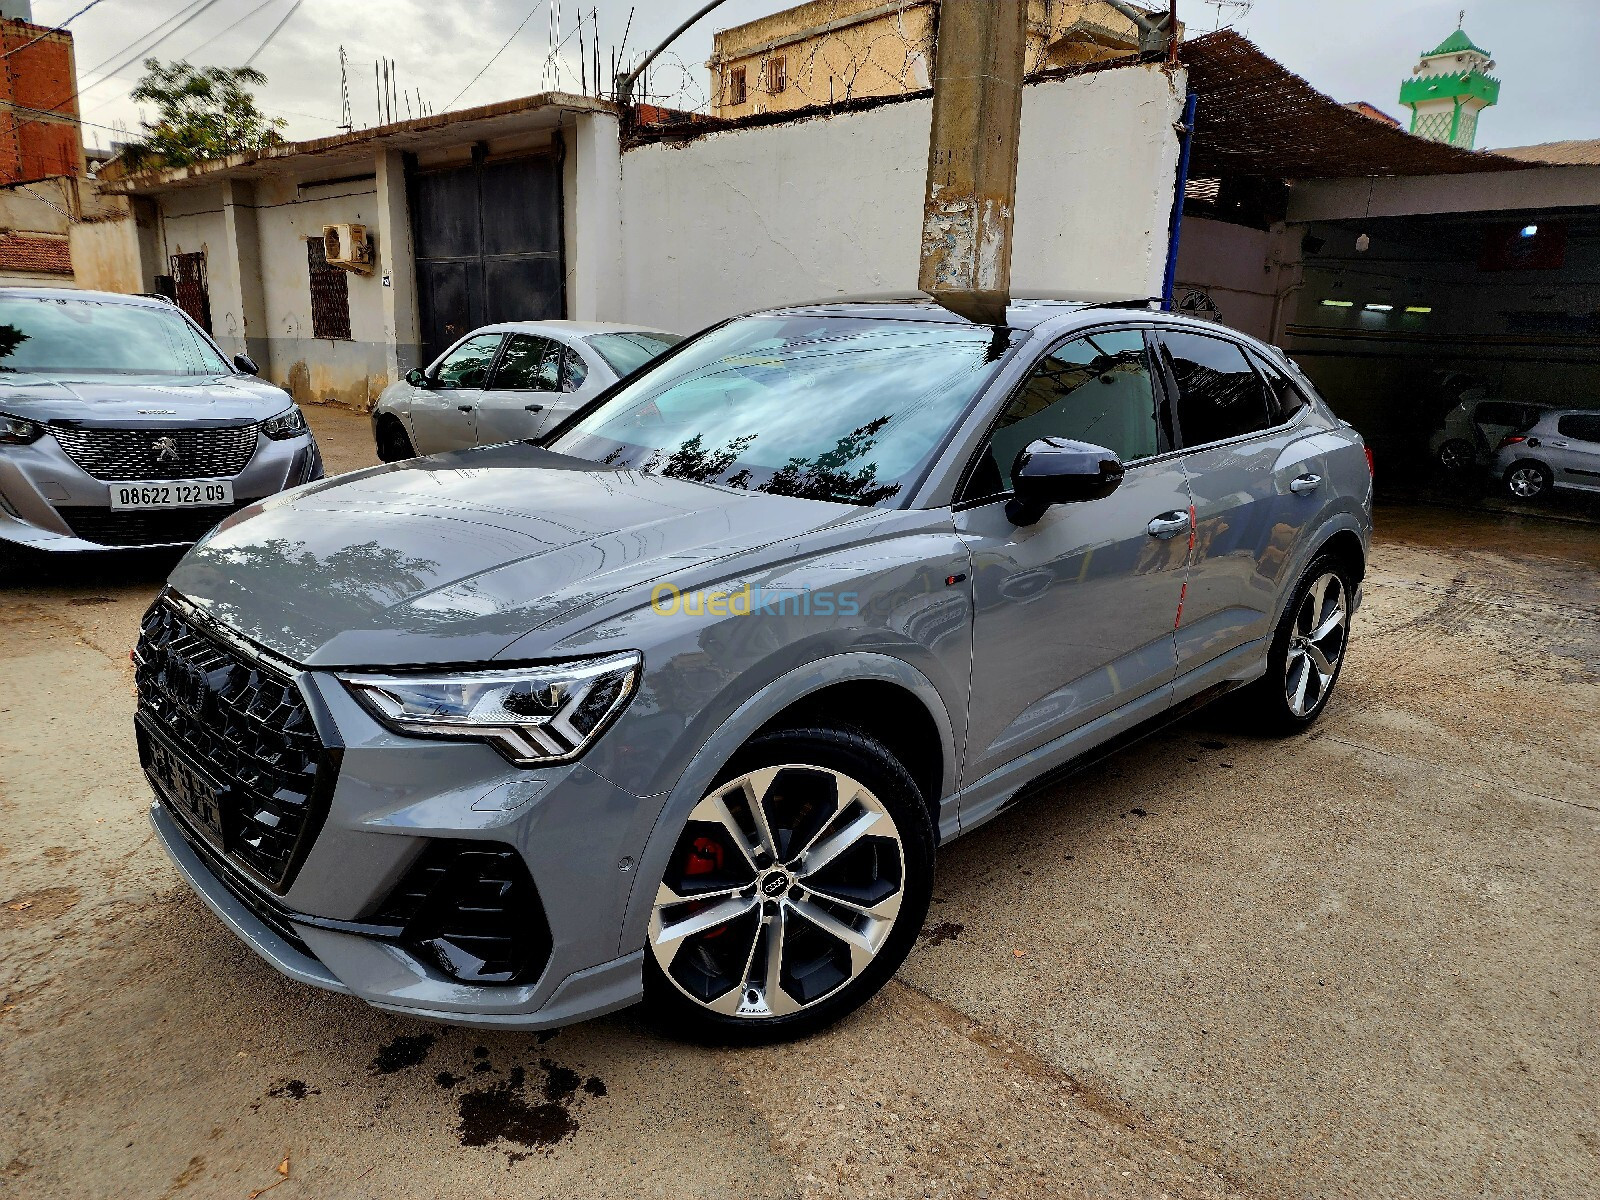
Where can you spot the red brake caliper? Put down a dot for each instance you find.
(705, 858)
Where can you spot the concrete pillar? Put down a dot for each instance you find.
(238, 304)
(972, 156)
(592, 218)
(397, 268)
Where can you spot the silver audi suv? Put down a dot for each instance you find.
(678, 705)
(122, 424)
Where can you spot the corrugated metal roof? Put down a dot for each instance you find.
(1565, 154)
(35, 255)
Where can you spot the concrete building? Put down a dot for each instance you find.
(474, 216)
(827, 51)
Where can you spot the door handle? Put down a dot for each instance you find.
(1305, 485)
(464, 407)
(1561, 445)
(534, 407)
(1168, 525)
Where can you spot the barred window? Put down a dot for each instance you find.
(777, 78)
(330, 294)
(736, 93)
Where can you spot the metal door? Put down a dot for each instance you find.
(488, 247)
(191, 291)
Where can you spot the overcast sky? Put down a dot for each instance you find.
(1351, 49)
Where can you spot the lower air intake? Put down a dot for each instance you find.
(470, 909)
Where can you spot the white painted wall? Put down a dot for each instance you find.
(1235, 266)
(833, 205)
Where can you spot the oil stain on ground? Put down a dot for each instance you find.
(401, 1053)
(505, 1112)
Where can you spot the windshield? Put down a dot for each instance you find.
(68, 335)
(828, 408)
(627, 352)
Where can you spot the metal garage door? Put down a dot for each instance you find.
(488, 247)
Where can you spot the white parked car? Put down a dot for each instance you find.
(1472, 431)
(507, 383)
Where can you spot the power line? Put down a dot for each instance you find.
(147, 49)
(142, 38)
(497, 54)
(48, 32)
(230, 28)
(293, 8)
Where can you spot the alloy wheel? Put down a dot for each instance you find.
(1316, 644)
(1456, 456)
(783, 887)
(1526, 482)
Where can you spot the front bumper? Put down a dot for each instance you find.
(40, 485)
(578, 835)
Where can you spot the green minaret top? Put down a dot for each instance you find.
(1448, 88)
(1457, 43)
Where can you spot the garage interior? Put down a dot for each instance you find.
(1400, 274)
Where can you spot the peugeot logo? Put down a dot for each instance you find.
(165, 450)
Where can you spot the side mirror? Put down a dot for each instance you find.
(1057, 471)
(246, 364)
(417, 378)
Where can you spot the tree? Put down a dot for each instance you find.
(202, 112)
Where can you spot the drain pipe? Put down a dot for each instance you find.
(1175, 235)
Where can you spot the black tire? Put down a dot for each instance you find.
(1268, 702)
(1457, 457)
(394, 444)
(866, 761)
(1527, 480)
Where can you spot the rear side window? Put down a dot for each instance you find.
(1286, 398)
(1511, 416)
(528, 365)
(1220, 395)
(1586, 428)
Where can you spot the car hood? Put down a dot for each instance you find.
(139, 400)
(452, 558)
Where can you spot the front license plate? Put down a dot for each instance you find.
(176, 493)
(184, 785)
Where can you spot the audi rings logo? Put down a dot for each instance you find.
(165, 450)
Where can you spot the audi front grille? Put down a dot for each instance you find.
(227, 740)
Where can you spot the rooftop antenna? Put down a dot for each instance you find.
(1233, 10)
(345, 122)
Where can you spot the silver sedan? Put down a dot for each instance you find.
(508, 382)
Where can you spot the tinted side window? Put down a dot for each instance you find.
(522, 368)
(1584, 428)
(573, 371)
(1096, 389)
(467, 366)
(1286, 398)
(1219, 393)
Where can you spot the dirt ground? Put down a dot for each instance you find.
(1360, 963)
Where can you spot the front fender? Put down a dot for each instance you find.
(740, 727)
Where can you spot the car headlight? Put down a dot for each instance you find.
(18, 431)
(291, 422)
(535, 716)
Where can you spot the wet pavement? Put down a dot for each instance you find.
(1356, 963)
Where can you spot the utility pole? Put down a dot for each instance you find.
(972, 157)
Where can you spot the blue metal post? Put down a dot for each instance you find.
(1186, 149)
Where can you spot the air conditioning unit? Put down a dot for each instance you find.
(348, 247)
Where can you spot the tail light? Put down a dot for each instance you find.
(1371, 470)
(1510, 441)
